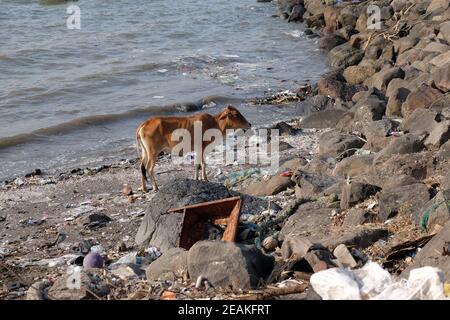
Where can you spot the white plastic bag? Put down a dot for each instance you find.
(336, 284)
(373, 279)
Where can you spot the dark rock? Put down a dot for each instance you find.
(435, 212)
(344, 56)
(293, 164)
(284, 129)
(358, 74)
(404, 200)
(229, 265)
(361, 238)
(357, 216)
(297, 13)
(432, 253)
(423, 97)
(321, 102)
(274, 185)
(366, 111)
(416, 165)
(315, 21)
(353, 166)
(395, 102)
(408, 143)
(336, 144)
(295, 247)
(419, 121)
(441, 78)
(355, 193)
(312, 184)
(322, 165)
(349, 15)
(440, 134)
(399, 5)
(171, 265)
(322, 119)
(346, 32)
(404, 44)
(445, 31)
(330, 41)
(438, 5)
(376, 133)
(380, 80)
(162, 230)
(93, 220)
(310, 220)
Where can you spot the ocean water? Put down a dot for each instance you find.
(74, 97)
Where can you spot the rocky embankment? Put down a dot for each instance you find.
(365, 178)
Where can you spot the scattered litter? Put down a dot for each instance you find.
(144, 257)
(74, 213)
(33, 222)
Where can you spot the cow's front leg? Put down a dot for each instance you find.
(204, 171)
(196, 170)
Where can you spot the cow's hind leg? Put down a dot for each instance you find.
(150, 166)
(143, 176)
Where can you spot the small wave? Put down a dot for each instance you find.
(103, 119)
(294, 33)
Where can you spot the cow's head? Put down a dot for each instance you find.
(231, 118)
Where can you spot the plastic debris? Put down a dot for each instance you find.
(372, 282)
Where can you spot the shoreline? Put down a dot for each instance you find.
(373, 159)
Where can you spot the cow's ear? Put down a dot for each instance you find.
(223, 115)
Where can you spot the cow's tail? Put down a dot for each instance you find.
(142, 153)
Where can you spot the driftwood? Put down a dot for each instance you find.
(270, 293)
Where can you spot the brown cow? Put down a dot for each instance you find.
(155, 136)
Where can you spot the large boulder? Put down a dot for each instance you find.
(274, 185)
(171, 265)
(396, 100)
(229, 265)
(441, 78)
(331, 41)
(360, 237)
(419, 121)
(322, 119)
(438, 5)
(358, 74)
(445, 31)
(404, 200)
(422, 97)
(440, 134)
(344, 56)
(310, 220)
(313, 184)
(163, 230)
(380, 80)
(356, 192)
(334, 144)
(353, 166)
(432, 254)
(408, 143)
